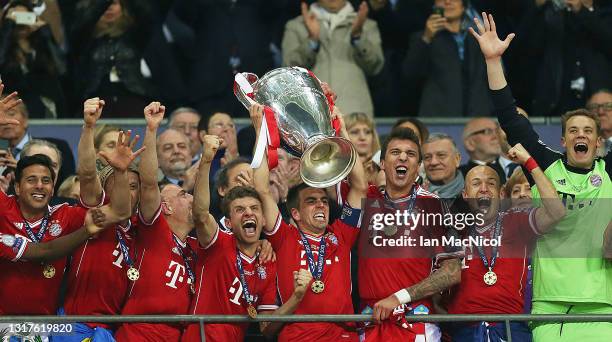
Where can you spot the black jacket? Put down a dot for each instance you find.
(450, 87)
(553, 42)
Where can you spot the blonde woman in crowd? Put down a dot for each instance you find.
(362, 132)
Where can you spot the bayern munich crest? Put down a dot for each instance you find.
(332, 238)
(261, 272)
(8, 240)
(55, 230)
(595, 180)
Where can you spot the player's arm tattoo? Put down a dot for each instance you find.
(446, 276)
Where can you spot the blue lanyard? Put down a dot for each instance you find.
(481, 252)
(317, 271)
(187, 265)
(43, 228)
(245, 286)
(124, 248)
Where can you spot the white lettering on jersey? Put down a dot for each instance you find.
(315, 254)
(236, 291)
(176, 275)
(117, 253)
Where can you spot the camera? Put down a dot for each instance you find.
(438, 10)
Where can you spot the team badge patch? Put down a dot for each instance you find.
(8, 240)
(346, 212)
(561, 182)
(595, 180)
(261, 272)
(55, 230)
(332, 238)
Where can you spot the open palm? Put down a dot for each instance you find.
(491, 46)
(121, 156)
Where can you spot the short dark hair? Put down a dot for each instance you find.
(293, 195)
(400, 133)
(423, 131)
(36, 159)
(580, 112)
(222, 176)
(236, 193)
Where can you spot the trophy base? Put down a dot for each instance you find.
(327, 162)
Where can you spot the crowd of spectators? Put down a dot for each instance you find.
(389, 58)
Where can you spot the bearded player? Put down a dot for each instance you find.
(28, 214)
(104, 267)
(322, 247)
(494, 279)
(165, 262)
(231, 278)
(399, 281)
(575, 248)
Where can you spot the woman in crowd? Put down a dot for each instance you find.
(108, 42)
(363, 135)
(30, 60)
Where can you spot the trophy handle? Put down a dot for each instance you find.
(243, 88)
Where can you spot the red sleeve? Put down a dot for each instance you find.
(268, 300)
(104, 200)
(155, 217)
(343, 188)
(12, 247)
(74, 216)
(220, 240)
(520, 226)
(277, 236)
(347, 226)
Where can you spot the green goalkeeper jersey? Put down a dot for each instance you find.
(568, 263)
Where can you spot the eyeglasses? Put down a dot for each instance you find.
(485, 131)
(595, 107)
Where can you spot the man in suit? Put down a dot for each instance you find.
(18, 137)
(482, 143)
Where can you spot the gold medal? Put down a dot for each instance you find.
(252, 311)
(390, 230)
(133, 274)
(48, 271)
(490, 278)
(317, 286)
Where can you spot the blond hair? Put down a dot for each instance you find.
(362, 118)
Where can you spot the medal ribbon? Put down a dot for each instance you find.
(124, 249)
(43, 228)
(494, 249)
(245, 286)
(411, 199)
(187, 265)
(316, 270)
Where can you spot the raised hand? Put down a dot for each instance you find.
(121, 157)
(6, 104)
(210, 146)
(491, 46)
(362, 15)
(311, 22)
(154, 114)
(518, 154)
(245, 179)
(328, 91)
(256, 112)
(92, 109)
(301, 282)
(336, 114)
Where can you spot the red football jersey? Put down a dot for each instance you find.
(506, 296)
(163, 286)
(336, 297)
(97, 281)
(384, 270)
(25, 291)
(220, 291)
(12, 247)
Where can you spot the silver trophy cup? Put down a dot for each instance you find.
(303, 118)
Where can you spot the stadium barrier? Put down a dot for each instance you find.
(203, 319)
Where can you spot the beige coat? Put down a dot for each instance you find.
(338, 62)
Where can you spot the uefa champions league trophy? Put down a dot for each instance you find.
(302, 118)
